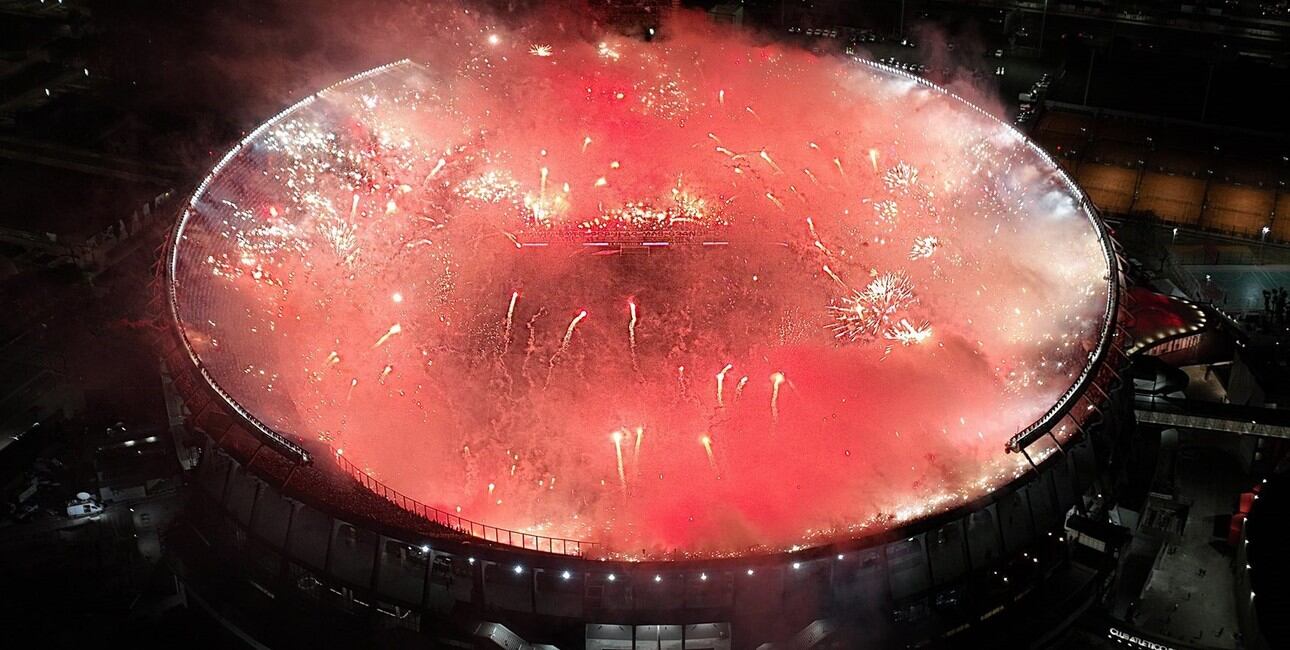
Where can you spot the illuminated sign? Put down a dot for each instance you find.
(1184, 343)
(1137, 641)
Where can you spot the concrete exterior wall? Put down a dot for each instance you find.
(900, 578)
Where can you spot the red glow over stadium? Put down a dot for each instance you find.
(683, 298)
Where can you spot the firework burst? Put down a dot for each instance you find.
(867, 313)
(353, 274)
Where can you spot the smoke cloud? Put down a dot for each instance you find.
(692, 296)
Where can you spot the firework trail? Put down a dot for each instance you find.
(810, 225)
(384, 373)
(636, 453)
(510, 318)
(739, 388)
(775, 381)
(873, 159)
(828, 271)
(352, 383)
(765, 156)
(564, 345)
(500, 361)
(706, 441)
(514, 240)
(437, 167)
(721, 380)
(568, 334)
(631, 335)
(394, 329)
(617, 437)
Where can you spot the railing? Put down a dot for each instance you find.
(558, 545)
(282, 442)
(1088, 375)
(291, 448)
(1115, 278)
(564, 546)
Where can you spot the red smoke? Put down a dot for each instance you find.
(525, 162)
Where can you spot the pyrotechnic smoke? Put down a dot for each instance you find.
(587, 172)
(531, 347)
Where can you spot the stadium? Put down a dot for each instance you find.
(597, 346)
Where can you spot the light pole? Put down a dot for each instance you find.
(1088, 81)
(1043, 22)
